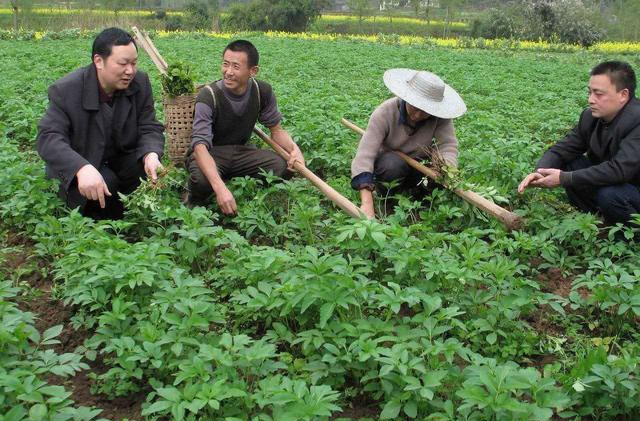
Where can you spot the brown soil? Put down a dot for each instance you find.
(539, 320)
(358, 412)
(540, 361)
(552, 281)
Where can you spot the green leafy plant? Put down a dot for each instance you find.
(179, 80)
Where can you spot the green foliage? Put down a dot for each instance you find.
(179, 80)
(276, 15)
(292, 310)
(26, 360)
(570, 22)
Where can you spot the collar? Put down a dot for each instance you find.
(91, 95)
(606, 125)
(404, 118)
(103, 96)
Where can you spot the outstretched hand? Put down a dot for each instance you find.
(543, 177)
(91, 184)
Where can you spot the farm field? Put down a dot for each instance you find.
(60, 18)
(294, 311)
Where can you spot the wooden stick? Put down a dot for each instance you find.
(147, 45)
(509, 219)
(342, 202)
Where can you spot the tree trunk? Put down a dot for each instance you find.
(14, 8)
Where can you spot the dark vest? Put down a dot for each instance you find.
(229, 128)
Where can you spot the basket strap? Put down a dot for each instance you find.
(258, 89)
(212, 96)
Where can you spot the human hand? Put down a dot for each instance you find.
(530, 179)
(550, 179)
(152, 165)
(226, 201)
(295, 155)
(91, 184)
(368, 209)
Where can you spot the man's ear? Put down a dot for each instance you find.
(625, 94)
(254, 71)
(98, 61)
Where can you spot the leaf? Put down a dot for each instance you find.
(170, 393)
(16, 413)
(157, 406)
(411, 409)
(51, 333)
(37, 412)
(177, 348)
(391, 410)
(326, 311)
(492, 338)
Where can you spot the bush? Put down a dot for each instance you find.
(197, 16)
(499, 24)
(576, 24)
(173, 23)
(275, 15)
(568, 21)
(246, 17)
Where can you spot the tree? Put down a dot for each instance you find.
(18, 6)
(360, 8)
(277, 15)
(450, 6)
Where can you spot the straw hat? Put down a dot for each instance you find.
(425, 91)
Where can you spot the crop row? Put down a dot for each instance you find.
(293, 311)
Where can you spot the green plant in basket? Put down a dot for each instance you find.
(179, 80)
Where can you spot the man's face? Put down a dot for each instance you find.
(236, 71)
(117, 71)
(604, 99)
(416, 115)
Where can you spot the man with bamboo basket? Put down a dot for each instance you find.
(225, 114)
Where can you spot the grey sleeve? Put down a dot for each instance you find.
(54, 139)
(269, 114)
(202, 126)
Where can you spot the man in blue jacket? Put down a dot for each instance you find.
(598, 162)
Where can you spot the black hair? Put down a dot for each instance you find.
(106, 39)
(621, 74)
(246, 47)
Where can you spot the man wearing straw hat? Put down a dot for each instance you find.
(422, 111)
(100, 135)
(225, 114)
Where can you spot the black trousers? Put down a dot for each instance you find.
(616, 203)
(122, 175)
(233, 161)
(389, 167)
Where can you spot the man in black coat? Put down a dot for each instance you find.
(607, 178)
(100, 135)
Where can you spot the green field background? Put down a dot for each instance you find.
(288, 239)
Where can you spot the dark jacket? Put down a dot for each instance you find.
(613, 148)
(71, 134)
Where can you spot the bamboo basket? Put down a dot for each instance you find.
(178, 117)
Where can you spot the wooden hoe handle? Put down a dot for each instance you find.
(509, 219)
(341, 201)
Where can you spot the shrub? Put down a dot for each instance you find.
(197, 16)
(277, 15)
(568, 21)
(499, 24)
